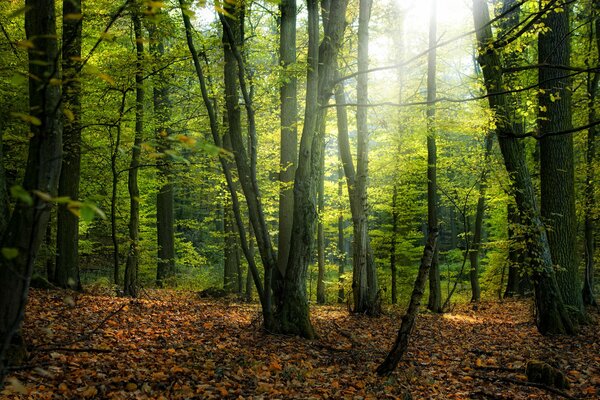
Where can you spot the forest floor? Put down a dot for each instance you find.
(174, 345)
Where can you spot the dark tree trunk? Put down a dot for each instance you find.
(165, 219)
(130, 282)
(408, 320)
(231, 260)
(552, 316)
(67, 232)
(435, 288)
(518, 281)
(557, 174)
(4, 199)
(588, 295)
(115, 150)
(27, 226)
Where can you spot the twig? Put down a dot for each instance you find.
(79, 350)
(530, 384)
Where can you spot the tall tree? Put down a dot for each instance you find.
(593, 80)
(130, 281)
(321, 237)
(293, 312)
(165, 218)
(289, 129)
(552, 316)
(435, 288)
(557, 174)
(66, 273)
(25, 232)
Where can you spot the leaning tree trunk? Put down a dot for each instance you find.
(557, 173)
(66, 273)
(435, 288)
(130, 280)
(25, 232)
(408, 320)
(552, 315)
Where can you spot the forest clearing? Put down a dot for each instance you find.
(174, 345)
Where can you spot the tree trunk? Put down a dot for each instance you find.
(478, 228)
(130, 281)
(27, 226)
(231, 259)
(165, 219)
(408, 320)
(557, 174)
(394, 272)
(590, 202)
(435, 288)
(289, 132)
(517, 282)
(321, 237)
(341, 248)
(67, 232)
(552, 316)
(4, 199)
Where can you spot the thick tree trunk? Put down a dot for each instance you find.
(557, 174)
(130, 280)
(552, 316)
(289, 131)
(67, 233)
(408, 320)
(165, 219)
(435, 288)
(27, 226)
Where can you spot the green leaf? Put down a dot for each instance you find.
(10, 253)
(27, 118)
(21, 194)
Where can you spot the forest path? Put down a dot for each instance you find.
(174, 345)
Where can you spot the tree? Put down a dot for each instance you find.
(593, 79)
(552, 316)
(435, 289)
(130, 280)
(165, 220)
(25, 232)
(557, 174)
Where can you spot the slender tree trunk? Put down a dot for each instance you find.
(408, 320)
(115, 150)
(517, 281)
(4, 199)
(130, 282)
(393, 244)
(435, 288)
(27, 226)
(231, 259)
(289, 133)
(321, 237)
(341, 248)
(552, 316)
(165, 219)
(67, 232)
(557, 173)
(590, 202)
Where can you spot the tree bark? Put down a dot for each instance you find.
(67, 232)
(552, 316)
(588, 295)
(27, 226)
(435, 288)
(321, 237)
(393, 268)
(408, 320)
(289, 131)
(557, 174)
(130, 281)
(341, 248)
(165, 219)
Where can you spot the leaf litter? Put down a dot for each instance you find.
(174, 345)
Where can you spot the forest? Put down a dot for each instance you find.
(279, 199)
